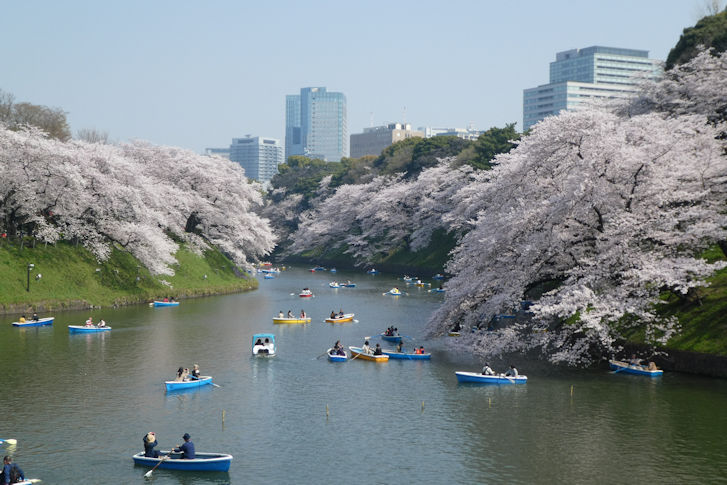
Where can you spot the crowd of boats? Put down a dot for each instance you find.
(263, 345)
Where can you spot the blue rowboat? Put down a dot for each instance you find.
(333, 284)
(269, 277)
(89, 329)
(393, 354)
(35, 323)
(372, 271)
(639, 370)
(348, 285)
(391, 338)
(166, 303)
(336, 357)
(393, 292)
(204, 462)
(175, 385)
(438, 276)
(333, 270)
(437, 290)
(482, 379)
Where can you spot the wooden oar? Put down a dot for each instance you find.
(354, 357)
(618, 370)
(9, 441)
(324, 353)
(148, 474)
(197, 378)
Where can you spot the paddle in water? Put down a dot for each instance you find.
(148, 474)
(9, 441)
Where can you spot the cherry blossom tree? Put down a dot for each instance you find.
(136, 195)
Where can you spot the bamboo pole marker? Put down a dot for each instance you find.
(571, 390)
(327, 413)
(223, 419)
(489, 402)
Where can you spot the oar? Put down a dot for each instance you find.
(324, 353)
(618, 370)
(148, 474)
(9, 441)
(197, 378)
(354, 357)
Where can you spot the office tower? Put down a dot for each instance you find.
(578, 75)
(315, 124)
(373, 140)
(259, 156)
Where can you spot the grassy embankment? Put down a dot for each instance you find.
(72, 278)
(431, 259)
(703, 318)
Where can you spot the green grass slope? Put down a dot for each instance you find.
(72, 278)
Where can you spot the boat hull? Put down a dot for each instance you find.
(290, 320)
(306, 295)
(166, 303)
(35, 323)
(347, 317)
(391, 338)
(83, 329)
(192, 383)
(356, 351)
(348, 285)
(336, 357)
(393, 293)
(406, 356)
(626, 368)
(205, 462)
(477, 378)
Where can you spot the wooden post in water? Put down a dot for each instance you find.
(223, 420)
(489, 402)
(422, 406)
(327, 413)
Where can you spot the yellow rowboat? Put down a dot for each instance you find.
(454, 334)
(356, 353)
(347, 317)
(291, 320)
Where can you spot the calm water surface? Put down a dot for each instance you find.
(79, 405)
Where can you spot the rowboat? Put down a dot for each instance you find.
(422, 285)
(372, 271)
(357, 353)
(483, 379)
(266, 348)
(347, 317)
(438, 276)
(393, 354)
(408, 278)
(166, 303)
(454, 334)
(640, 370)
(333, 270)
(306, 293)
(291, 320)
(35, 323)
(176, 385)
(319, 268)
(393, 292)
(204, 462)
(87, 329)
(269, 277)
(336, 357)
(348, 285)
(437, 290)
(391, 338)
(333, 284)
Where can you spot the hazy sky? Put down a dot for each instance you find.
(198, 73)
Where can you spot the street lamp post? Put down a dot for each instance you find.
(30, 267)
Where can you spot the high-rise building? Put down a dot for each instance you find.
(220, 152)
(259, 156)
(578, 75)
(315, 124)
(373, 140)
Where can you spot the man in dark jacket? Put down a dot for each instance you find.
(187, 448)
(11, 472)
(150, 441)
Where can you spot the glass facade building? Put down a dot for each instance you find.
(578, 75)
(259, 156)
(316, 124)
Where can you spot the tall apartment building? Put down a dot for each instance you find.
(259, 156)
(373, 140)
(315, 124)
(578, 75)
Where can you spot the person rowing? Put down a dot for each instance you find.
(487, 370)
(366, 349)
(511, 372)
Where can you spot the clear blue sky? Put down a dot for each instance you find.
(198, 73)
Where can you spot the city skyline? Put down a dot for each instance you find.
(195, 76)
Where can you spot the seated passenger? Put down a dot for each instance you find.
(487, 370)
(377, 350)
(195, 371)
(366, 349)
(35, 317)
(89, 322)
(150, 441)
(399, 346)
(511, 372)
(187, 448)
(22, 319)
